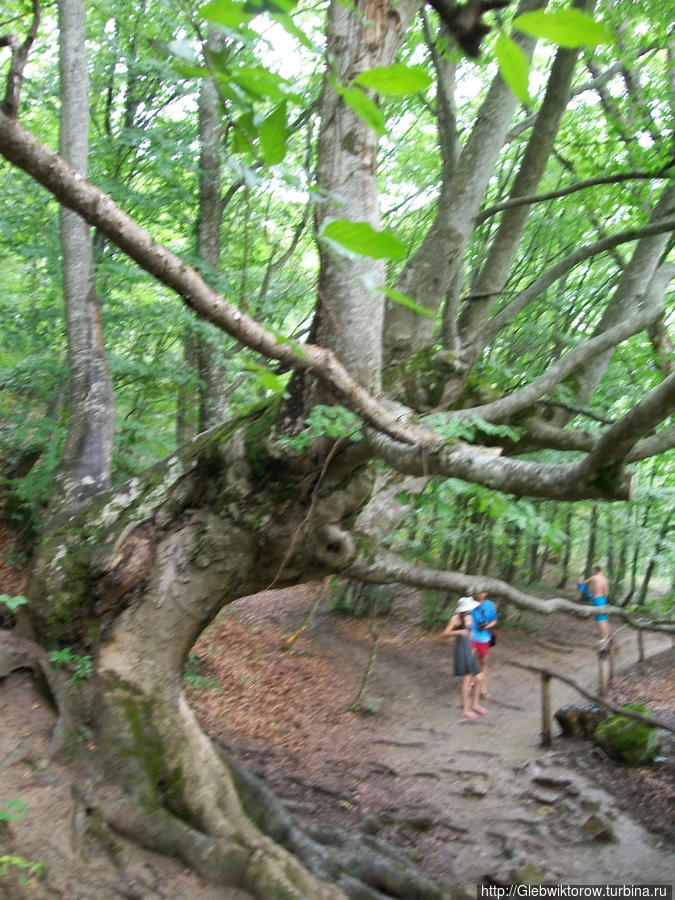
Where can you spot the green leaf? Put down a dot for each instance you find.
(259, 83)
(567, 28)
(408, 302)
(291, 28)
(226, 12)
(266, 6)
(272, 133)
(188, 71)
(267, 379)
(243, 134)
(362, 238)
(12, 810)
(396, 80)
(513, 67)
(13, 602)
(363, 106)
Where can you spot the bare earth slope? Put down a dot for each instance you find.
(468, 800)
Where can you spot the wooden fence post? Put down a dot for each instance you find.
(612, 662)
(602, 681)
(546, 708)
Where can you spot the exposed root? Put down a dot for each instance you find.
(223, 862)
(376, 870)
(21, 653)
(265, 871)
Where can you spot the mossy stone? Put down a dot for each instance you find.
(627, 740)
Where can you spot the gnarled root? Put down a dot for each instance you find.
(363, 867)
(159, 781)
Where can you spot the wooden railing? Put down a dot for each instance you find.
(546, 710)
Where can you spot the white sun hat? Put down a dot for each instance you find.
(466, 604)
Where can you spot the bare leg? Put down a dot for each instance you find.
(478, 684)
(483, 661)
(466, 690)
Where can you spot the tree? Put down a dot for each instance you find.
(499, 345)
(85, 466)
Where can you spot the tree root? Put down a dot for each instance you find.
(21, 653)
(223, 861)
(362, 866)
(160, 831)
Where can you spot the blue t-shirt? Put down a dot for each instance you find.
(483, 614)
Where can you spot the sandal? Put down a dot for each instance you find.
(470, 714)
(480, 710)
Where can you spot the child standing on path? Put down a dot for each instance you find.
(484, 620)
(465, 664)
(596, 588)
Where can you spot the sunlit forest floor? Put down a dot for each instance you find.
(467, 800)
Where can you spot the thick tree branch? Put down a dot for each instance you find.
(428, 454)
(503, 409)
(540, 434)
(617, 442)
(388, 568)
(518, 477)
(24, 150)
(660, 442)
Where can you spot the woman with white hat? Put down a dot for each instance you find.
(465, 664)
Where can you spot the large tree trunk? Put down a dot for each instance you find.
(85, 467)
(214, 398)
(152, 564)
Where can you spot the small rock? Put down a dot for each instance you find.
(567, 806)
(372, 824)
(599, 828)
(552, 781)
(547, 798)
(475, 790)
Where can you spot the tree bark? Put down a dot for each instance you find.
(85, 466)
(490, 282)
(216, 521)
(213, 391)
(434, 268)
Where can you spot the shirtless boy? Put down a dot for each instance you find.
(596, 589)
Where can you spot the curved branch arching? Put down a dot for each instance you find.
(387, 568)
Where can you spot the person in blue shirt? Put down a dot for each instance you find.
(465, 664)
(484, 619)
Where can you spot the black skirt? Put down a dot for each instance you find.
(464, 659)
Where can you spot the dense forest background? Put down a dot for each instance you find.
(145, 138)
(377, 291)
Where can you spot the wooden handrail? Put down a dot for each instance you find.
(548, 674)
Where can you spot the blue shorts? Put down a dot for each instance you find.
(596, 601)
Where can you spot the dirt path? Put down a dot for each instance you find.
(466, 799)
